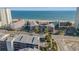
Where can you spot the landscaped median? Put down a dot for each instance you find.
(51, 44)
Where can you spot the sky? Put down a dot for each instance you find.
(45, 8)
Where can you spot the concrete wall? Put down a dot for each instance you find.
(77, 18)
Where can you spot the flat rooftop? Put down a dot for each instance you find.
(23, 38)
(3, 36)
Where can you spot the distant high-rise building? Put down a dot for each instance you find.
(77, 18)
(5, 16)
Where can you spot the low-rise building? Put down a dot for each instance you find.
(3, 38)
(25, 41)
(71, 31)
(65, 24)
(40, 25)
(17, 25)
(17, 42)
(31, 25)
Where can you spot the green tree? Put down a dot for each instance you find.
(36, 29)
(46, 30)
(54, 46)
(51, 43)
(48, 38)
(68, 24)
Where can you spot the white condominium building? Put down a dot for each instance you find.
(77, 18)
(5, 16)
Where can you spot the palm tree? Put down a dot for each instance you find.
(54, 46)
(51, 43)
(48, 38)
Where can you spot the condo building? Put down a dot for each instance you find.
(5, 16)
(25, 41)
(19, 42)
(77, 18)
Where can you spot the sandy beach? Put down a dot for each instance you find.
(40, 20)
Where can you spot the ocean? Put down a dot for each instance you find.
(46, 15)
